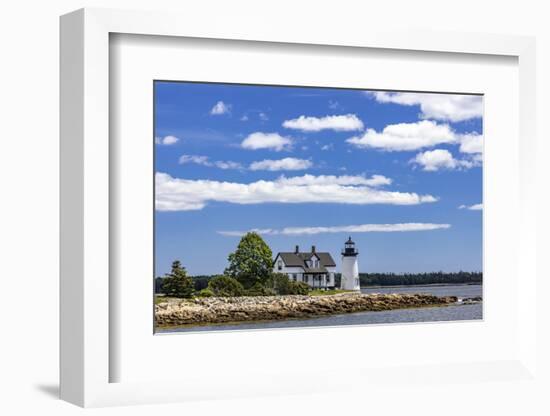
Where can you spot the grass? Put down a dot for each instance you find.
(162, 299)
(320, 292)
(316, 292)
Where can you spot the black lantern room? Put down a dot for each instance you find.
(349, 249)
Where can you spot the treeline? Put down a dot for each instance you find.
(394, 279)
(374, 279)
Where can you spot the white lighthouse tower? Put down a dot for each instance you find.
(350, 268)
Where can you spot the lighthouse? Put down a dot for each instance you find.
(350, 268)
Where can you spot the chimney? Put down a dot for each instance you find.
(297, 250)
(313, 249)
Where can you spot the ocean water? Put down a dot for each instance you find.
(460, 291)
(430, 314)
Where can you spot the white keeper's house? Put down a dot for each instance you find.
(317, 268)
(312, 267)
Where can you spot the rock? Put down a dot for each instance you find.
(470, 301)
(254, 308)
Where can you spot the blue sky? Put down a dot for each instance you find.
(399, 172)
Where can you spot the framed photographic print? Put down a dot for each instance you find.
(292, 195)
(280, 206)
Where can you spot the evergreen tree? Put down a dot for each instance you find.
(177, 283)
(158, 284)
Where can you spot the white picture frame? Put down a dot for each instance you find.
(86, 353)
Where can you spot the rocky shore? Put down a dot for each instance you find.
(213, 310)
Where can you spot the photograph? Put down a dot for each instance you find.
(295, 206)
(275, 208)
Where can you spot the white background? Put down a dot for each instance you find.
(136, 61)
(29, 208)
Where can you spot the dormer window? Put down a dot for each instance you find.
(314, 262)
(280, 265)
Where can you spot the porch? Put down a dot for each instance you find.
(319, 280)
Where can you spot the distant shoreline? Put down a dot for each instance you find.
(423, 284)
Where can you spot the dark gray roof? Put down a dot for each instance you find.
(315, 270)
(326, 259)
(292, 259)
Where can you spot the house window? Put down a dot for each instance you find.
(280, 265)
(294, 276)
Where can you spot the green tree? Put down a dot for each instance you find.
(282, 285)
(205, 293)
(225, 286)
(260, 290)
(158, 284)
(177, 283)
(251, 263)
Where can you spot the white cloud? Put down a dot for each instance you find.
(198, 160)
(406, 136)
(244, 118)
(347, 122)
(362, 228)
(451, 107)
(477, 159)
(273, 141)
(204, 161)
(471, 143)
(220, 108)
(433, 160)
(419, 135)
(166, 140)
(263, 116)
(262, 231)
(374, 180)
(475, 207)
(174, 194)
(227, 164)
(329, 146)
(288, 163)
